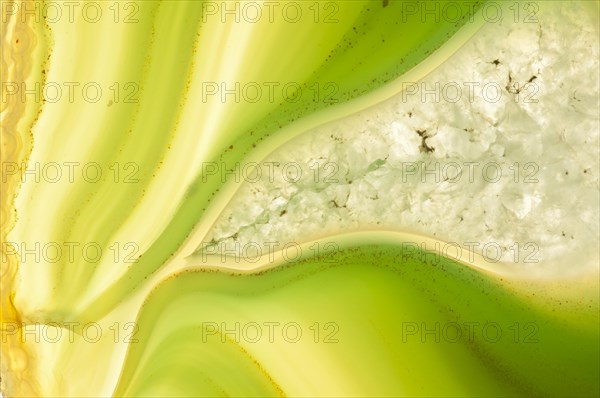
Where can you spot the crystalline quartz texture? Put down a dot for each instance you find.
(554, 123)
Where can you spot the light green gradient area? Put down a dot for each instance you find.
(385, 305)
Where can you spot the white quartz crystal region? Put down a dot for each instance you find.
(496, 149)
